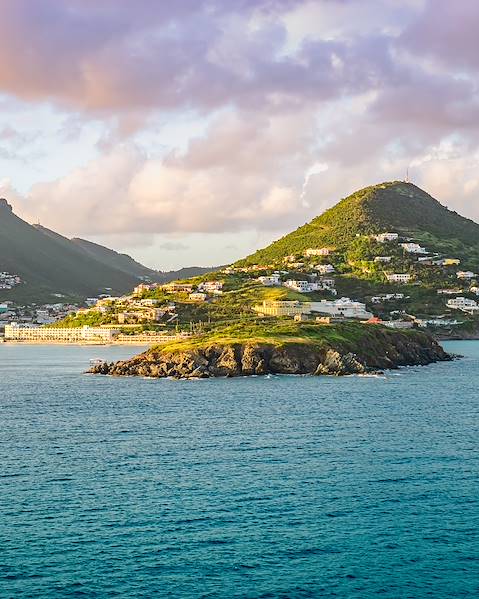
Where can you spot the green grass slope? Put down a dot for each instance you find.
(392, 206)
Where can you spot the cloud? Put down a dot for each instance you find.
(172, 246)
(361, 88)
(233, 178)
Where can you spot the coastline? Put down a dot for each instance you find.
(370, 353)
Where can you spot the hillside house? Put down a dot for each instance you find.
(383, 259)
(198, 296)
(449, 291)
(301, 286)
(270, 281)
(386, 237)
(465, 275)
(399, 277)
(464, 304)
(413, 248)
(210, 286)
(325, 269)
(318, 252)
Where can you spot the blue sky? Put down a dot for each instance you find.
(194, 132)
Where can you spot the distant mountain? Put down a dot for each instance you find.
(392, 206)
(50, 264)
(115, 260)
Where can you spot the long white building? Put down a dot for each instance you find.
(18, 332)
(344, 307)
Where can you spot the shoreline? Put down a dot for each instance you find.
(77, 343)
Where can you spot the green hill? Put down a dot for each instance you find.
(113, 259)
(392, 206)
(50, 264)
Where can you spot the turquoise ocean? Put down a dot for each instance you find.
(275, 487)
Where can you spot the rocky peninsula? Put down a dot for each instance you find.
(341, 350)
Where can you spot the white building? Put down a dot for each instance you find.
(301, 286)
(344, 307)
(413, 248)
(398, 277)
(474, 290)
(465, 274)
(463, 303)
(198, 296)
(398, 324)
(318, 252)
(383, 259)
(385, 237)
(210, 286)
(387, 297)
(325, 269)
(450, 291)
(17, 332)
(271, 280)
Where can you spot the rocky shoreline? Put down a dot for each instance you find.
(385, 350)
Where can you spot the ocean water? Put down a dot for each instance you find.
(281, 487)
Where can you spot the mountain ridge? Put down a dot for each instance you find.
(394, 205)
(50, 264)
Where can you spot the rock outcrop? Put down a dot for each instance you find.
(383, 350)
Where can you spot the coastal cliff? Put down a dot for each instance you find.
(377, 349)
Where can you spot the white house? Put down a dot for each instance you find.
(325, 269)
(384, 237)
(383, 259)
(197, 296)
(474, 290)
(210, 286)
(398, 277)
(465, 274)
(318, 252)
(463, 303)
(398, 324)
(413, 248)
(270, 281)
(302, 286)
(342, 307)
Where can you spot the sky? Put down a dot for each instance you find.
(194, 132)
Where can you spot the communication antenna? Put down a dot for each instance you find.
(407, 175)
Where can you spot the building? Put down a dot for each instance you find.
(325, 269)
(385, 237)
(302, 286)
(17, 332)
(398, 324)
(473, 289)
(177, 288)
(141, 288)
(465, 275)
(210, 286)
(387, 297)
(464, 304)
(197, 296)
(413, 248)
(450, 291)
(280, 308)
(318, 252)
(399, 277)
(270, 281)
(451, 262)
(383, 259)
(344, 307)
